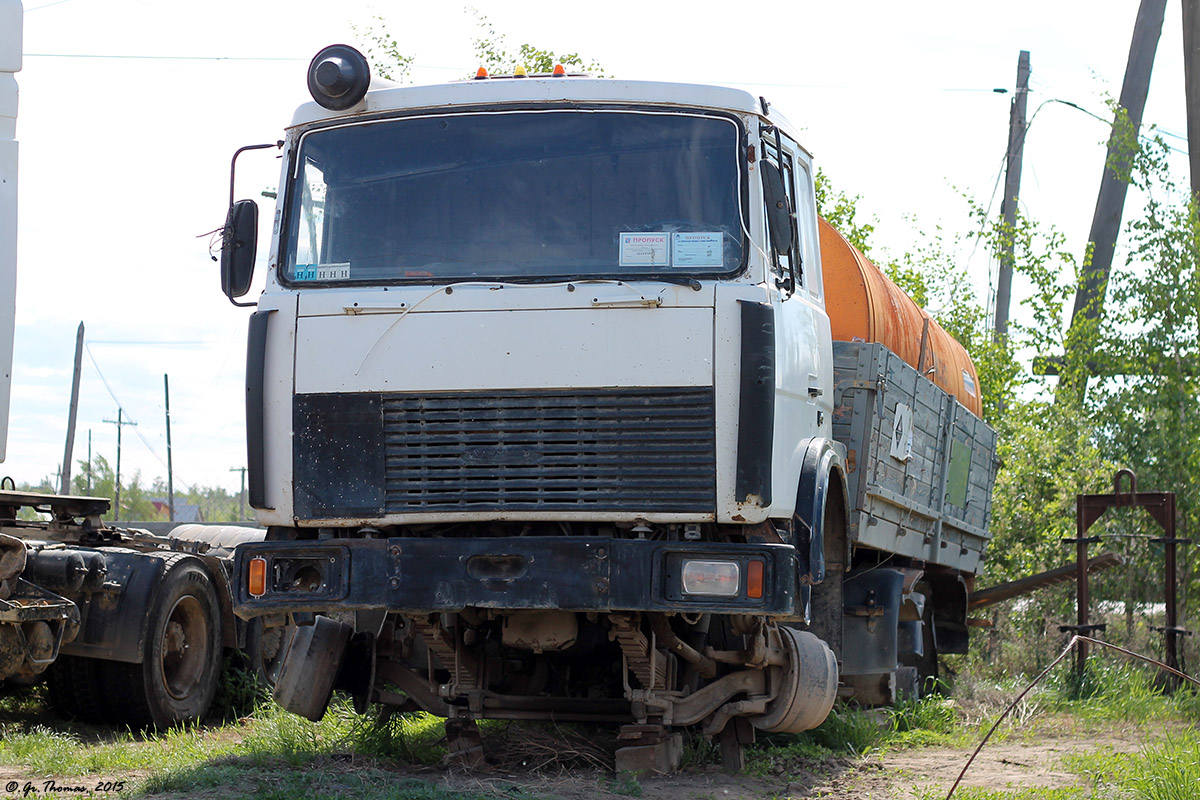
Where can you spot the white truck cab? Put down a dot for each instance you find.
(538, 243)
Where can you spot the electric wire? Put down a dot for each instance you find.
(1020, 144)
(113, 395)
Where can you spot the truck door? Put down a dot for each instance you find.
(803, 372)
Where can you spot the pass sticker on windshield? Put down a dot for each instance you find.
(322, 272)
(697, 249)
(645, 249)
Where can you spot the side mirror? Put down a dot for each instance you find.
(239, 241)
(779, 210)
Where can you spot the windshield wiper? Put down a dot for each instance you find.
(691, 283)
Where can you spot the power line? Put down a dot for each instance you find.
(113, 395)
(47, 5)
(145, 343)
(160, 58)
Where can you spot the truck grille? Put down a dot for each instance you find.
(606, 449)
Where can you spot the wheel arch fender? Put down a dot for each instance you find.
(114, 622)
(822, 476)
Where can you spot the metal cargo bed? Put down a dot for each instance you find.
(920, 466)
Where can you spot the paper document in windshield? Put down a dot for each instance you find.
(697, 249)
(645, 249)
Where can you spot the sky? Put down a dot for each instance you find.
(125, 161)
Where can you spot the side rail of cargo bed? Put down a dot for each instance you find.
(920, 466)
(566, 573)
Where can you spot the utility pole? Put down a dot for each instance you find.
(1106, 222)
(1012, 190)
(119, 422)
(241, 494)
(64, 483)
(89, 470)
(1191, 86)
(170, 472)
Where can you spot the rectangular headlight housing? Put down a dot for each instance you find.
(711, 578)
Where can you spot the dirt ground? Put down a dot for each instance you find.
(1030, 760)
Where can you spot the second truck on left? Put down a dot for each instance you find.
(126, 627)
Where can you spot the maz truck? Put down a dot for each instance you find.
(562, 403)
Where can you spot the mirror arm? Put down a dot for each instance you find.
(238, 152)
(232, 180)
(242, 305)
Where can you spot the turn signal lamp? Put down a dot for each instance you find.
(717, 578)
(559, 72)
(754, 579)
(520, 72)
(481, 74)
(256, 584)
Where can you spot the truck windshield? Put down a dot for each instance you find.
(529, 195)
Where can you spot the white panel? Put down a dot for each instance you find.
(277, 401)
(423, 352)
(10, 62)
(8, 277)
(10, 37)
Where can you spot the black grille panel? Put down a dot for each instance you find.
(607, 449)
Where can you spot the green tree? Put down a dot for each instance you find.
(841, 211)
(136, 501)
(493, 53)
(383, 51)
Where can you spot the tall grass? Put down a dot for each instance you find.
(273, 733)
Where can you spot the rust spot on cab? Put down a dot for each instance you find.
(738, 518)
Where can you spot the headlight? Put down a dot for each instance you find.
(716, 578)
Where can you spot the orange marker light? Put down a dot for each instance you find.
(256, 584)
(754, 579)
(481, 74)
(559, 71)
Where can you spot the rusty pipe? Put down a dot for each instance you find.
(706, 666)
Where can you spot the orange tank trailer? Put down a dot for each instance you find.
(864, 305)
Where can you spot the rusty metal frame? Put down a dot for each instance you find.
(1160, 506)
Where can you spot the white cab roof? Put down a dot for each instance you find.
(518, 91)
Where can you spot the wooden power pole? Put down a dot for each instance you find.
(1012, 190)
(1110, 203)
(64, 482)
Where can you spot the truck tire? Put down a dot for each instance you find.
(311, 667)
(76, 689)
(181, 664)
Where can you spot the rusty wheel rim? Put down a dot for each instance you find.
(184, 647)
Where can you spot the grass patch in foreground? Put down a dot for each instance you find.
(272, 733)
(849, 731)
(233, 780)
(45, 751)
